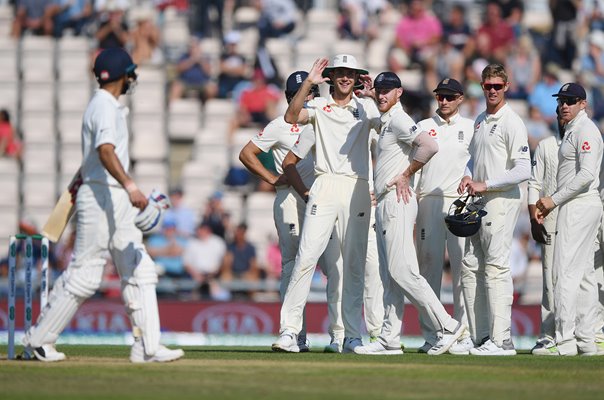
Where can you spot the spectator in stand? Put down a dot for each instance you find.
(71, 14)
(449, 63)
(277, 18)
(167, 248)
(113, 29)
(456, 29)
(10, 146)
(524, 66)
(591, 15)
(34, 16)
(145, 39)
(592, 71)
(359, 18)
(512, 12)
(233, 67)
(257, 105)
(541, 97)
(181, 214)
(202, 259)
(216, 216)
(240, 261)
(563, 48)
(499, 32)
(537, 128)
(194, 74)
(201, 25)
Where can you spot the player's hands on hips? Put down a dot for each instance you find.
(315, 75)
(544, 205)
(403, 190)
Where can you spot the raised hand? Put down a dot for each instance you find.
(315, 75)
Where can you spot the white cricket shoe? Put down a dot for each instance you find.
(48, 353)
(287, 343)
(425, 347)
(303, 344)
(447, 340)
(489, 348)
(377, 349)
(334, 347)
(350, 344)
(163, 354)
(462, 347)
(542, 348)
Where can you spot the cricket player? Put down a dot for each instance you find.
(339, 195)
(436, 190)
(289, 207)
(579, 217)
(543, 183)
(106, 205)
(499, 162)
(402, 151)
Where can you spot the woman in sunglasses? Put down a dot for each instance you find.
(499, 162)
(579, 216)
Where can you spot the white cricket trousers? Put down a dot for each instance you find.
(548, 327)
(344, 202)
(599, 267)
(400, 271)
(373, 300)
(431, 239)
(485, 273)
(574, 277)
(288, 212)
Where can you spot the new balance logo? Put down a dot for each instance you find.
(361, 214)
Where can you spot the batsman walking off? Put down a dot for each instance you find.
(106, 206)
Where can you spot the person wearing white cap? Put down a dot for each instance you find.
(402, 150)
(288, 208)
(579, 216)
(339, 195)
(436, 190)
(499, 162)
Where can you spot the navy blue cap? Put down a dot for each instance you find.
(571, 90)
(111, 64)
(387, 80)
(294, 81)
(449, 86)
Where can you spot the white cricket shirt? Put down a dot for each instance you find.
(280, 136)
(104, 122)
(499, 139)
(394, 148)
(341, 136)
(544, 169)
(579, 160)
(442, 174)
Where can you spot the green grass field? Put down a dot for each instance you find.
(103, 372)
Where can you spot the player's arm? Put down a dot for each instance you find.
(296, 114)
(535, 187)
(293, 177)
(114, 167)
(426, 148)
(249, 157)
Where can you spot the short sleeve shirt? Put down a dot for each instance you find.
(104, 123)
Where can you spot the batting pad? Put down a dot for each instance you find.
(141, 306)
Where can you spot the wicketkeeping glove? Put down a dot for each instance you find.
(148, 218)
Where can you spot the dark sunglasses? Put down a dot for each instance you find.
(571, 101)
(448, 97)
(496, 86)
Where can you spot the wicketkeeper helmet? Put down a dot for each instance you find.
(465, 216)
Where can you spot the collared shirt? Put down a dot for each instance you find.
(544, 169)
(442, 174)
(104, 123)
(341, 136)
(579, 160)
(499, 139)
(280, 136)
(394, 148)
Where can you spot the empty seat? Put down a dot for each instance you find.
(73, 97)
(39, 158)
(183, 119)
(70, 127)
(38, 97)
(39, 190)
(38, 127)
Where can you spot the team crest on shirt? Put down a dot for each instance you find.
(586, 147)
(355, 113)
(460, 136)
(493, 129)
(295, 128)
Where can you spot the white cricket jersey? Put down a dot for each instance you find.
(544, 169)
(579, 160)
(341, 136)
(104, 122)
(442, 174)
(499, 139)
(394, 148)
(280, 136)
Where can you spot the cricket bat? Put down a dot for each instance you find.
(63, 210)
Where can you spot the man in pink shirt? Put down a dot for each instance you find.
(418, 33)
